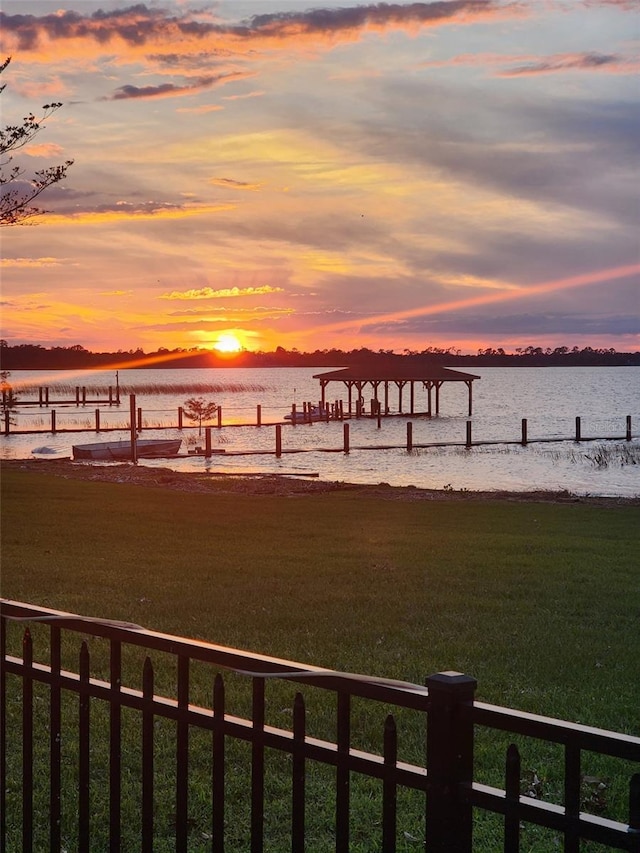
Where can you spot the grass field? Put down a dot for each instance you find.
(538, 601)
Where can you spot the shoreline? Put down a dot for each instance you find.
(285, 485)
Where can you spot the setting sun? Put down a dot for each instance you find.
(227, 343)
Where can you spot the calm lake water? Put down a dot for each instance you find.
(550, 399)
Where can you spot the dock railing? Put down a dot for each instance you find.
(38, 697)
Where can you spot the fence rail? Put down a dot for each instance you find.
(450, 794)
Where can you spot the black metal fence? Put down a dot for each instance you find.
(35, 697)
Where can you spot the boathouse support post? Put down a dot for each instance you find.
(293, 414)
(438, 398)
(468, 440)
(97, 420)
(180, 414)
(40, 395)
(140, 419)
(412, 397)
(53, 421)
(46, 396)
(386, 397)
(409, 436)
(470, 387)
(77, 395)
(111, 395)
(278, 440)
(84, 395)
(7, 422)
(258, 415)
(132, 426)
(207, 442)
(524, 432)
(429, 387)
(578, 429)
(345, 436)
(628, 433)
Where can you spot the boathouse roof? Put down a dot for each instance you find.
(395, 371)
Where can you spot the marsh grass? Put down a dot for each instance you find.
(149, 389)
(538, 601)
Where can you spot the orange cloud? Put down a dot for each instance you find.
(138, 29)
(129, 212)
(230, 184)
(210, 293)
(26, 263)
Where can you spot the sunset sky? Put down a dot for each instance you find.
(328, 174)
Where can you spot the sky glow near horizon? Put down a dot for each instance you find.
(395, 176)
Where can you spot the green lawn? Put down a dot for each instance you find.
(539, 602)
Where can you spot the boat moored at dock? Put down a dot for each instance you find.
(147, 448)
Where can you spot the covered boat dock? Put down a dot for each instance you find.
(381, 378)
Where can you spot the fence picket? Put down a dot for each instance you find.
(512, 800)
(389, 791)
(218, 767)
(55, 743)
(298, 792)
(115, 746)
(84, 751)
(342, 772)
(257, 767)
(147, 757)
(27, 744)
(182, 757)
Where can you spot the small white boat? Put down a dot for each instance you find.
(146, 448)
(300, 416)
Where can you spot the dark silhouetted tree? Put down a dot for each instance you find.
(17, 192)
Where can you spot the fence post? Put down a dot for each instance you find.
(345, 434)
(468, 441)
(53, 421)
(219, 417)
(207, 442)
(132, 427)
(524, 432)
(449, 763)
(628, 434)
(409, 436)
(97, 420)
(180, 413)
(278, 440)
(578, 436)
(258, 415)
(7, 422)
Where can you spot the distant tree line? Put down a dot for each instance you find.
(37, 357)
